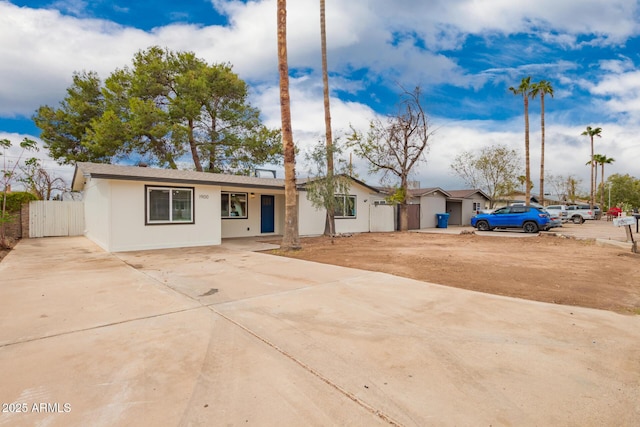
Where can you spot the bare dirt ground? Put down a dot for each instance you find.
(542, 268)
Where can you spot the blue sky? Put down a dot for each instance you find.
(463, 53)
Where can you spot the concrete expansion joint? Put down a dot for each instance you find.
(104, 325)
(291, 357)
(312, 371)
(211, 306)
(306, 367)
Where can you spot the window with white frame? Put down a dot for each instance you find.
(477, 207)
(233, 205)
(345, 206)
(169, 205)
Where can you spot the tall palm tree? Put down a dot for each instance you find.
(591, 132)
(330, 224)
(602, 159)
(290, 238)
(524, 89)
(596, 158)
(543, 87)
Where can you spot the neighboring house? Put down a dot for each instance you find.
(461, 205)
(423, 205)
(134, 208)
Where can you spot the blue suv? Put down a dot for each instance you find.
(530, 218)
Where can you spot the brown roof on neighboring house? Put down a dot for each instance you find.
(419, 192)
(303, 181)
(452, 194)
(463, 194)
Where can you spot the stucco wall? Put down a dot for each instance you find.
(312, 220)
(116, 218)
(467, 208)
(96, 198)
(430, 205)
(250, 226)
(115, 212)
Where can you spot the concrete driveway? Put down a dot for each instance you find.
(225, 336)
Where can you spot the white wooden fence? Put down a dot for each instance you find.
(381, 218)
(55, 218)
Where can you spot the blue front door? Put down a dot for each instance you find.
(267, 214)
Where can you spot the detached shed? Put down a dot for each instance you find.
(432, 201)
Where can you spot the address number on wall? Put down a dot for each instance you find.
(203, 196)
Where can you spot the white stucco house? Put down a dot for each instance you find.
(135, 208)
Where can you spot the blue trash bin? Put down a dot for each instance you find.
(443, 220)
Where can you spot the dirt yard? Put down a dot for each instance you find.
(3, 253)
(541, 268)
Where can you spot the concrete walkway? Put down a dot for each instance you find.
(223, 336)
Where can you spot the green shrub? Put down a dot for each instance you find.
(16, 199)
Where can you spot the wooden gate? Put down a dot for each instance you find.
(53, 218)
(413, 211)
(414, 216)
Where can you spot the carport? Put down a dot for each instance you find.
(454, 209)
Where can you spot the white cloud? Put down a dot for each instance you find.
(42, 48)
(616, 21)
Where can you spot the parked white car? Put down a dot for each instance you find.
(559, 210)
(580, 213)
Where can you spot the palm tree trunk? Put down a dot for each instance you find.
(290, 238)
(330, 223)
(602, 189)
(542, 148)
(591, 194)
(595, 181)
(526, 151)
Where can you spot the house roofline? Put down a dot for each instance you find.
(183, 181)
(303, 181)
(135, 173)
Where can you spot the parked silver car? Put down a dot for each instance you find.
(554, 219)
